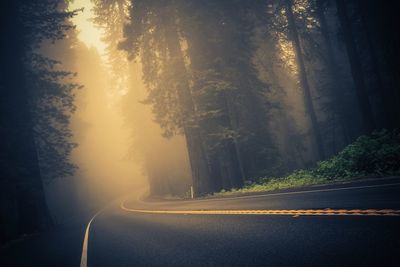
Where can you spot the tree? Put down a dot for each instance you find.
(110, 16)
(25, 24)
(304, 80)
(336, 91)
(370, 25)
(166, 79)
(356, 68)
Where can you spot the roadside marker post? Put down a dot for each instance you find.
(191, 192)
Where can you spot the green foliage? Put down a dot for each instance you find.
(52, 86)
(52, 96)
(147, 36)
(375, 155)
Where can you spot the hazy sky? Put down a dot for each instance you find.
(102, 153)
(88, 33)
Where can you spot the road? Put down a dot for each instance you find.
(339, 225)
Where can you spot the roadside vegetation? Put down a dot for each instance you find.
(375, 155)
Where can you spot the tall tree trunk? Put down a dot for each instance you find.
(202, 178)
(224, 164)
(387, 21)
(19, 160)
(234, 126)
(230, 166)
(388, 98)
(368, 122)
(336, 93)
(287, 149)
(304, 81)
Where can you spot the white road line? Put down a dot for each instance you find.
(86, 240)
(85, 245)
(261, 212)
(297, 192)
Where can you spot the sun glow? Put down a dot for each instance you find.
(103, 140)
(88, 32)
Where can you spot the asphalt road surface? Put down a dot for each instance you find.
(354, 224)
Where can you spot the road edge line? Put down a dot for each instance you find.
(86, 240)
(297, 192)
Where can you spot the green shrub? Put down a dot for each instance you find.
(375, 155)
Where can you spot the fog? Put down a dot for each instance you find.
(120, 149)
(106, 168)
(102, 137)
(185, 99)
(130, 122)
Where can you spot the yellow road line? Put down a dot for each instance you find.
(302, 212)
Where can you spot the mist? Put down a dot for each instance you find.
(186, 99)
(107, 164)
(129, 134)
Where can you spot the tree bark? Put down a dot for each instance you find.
(202, 179)
(237, 151)
(388, 97)
(18, 156)
(367, 119)
(336, 93)
(224, 165)
(304, 81)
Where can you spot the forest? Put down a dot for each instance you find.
(213, 95)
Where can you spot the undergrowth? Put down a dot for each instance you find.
(375, 155)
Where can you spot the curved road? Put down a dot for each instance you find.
(356, 224)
